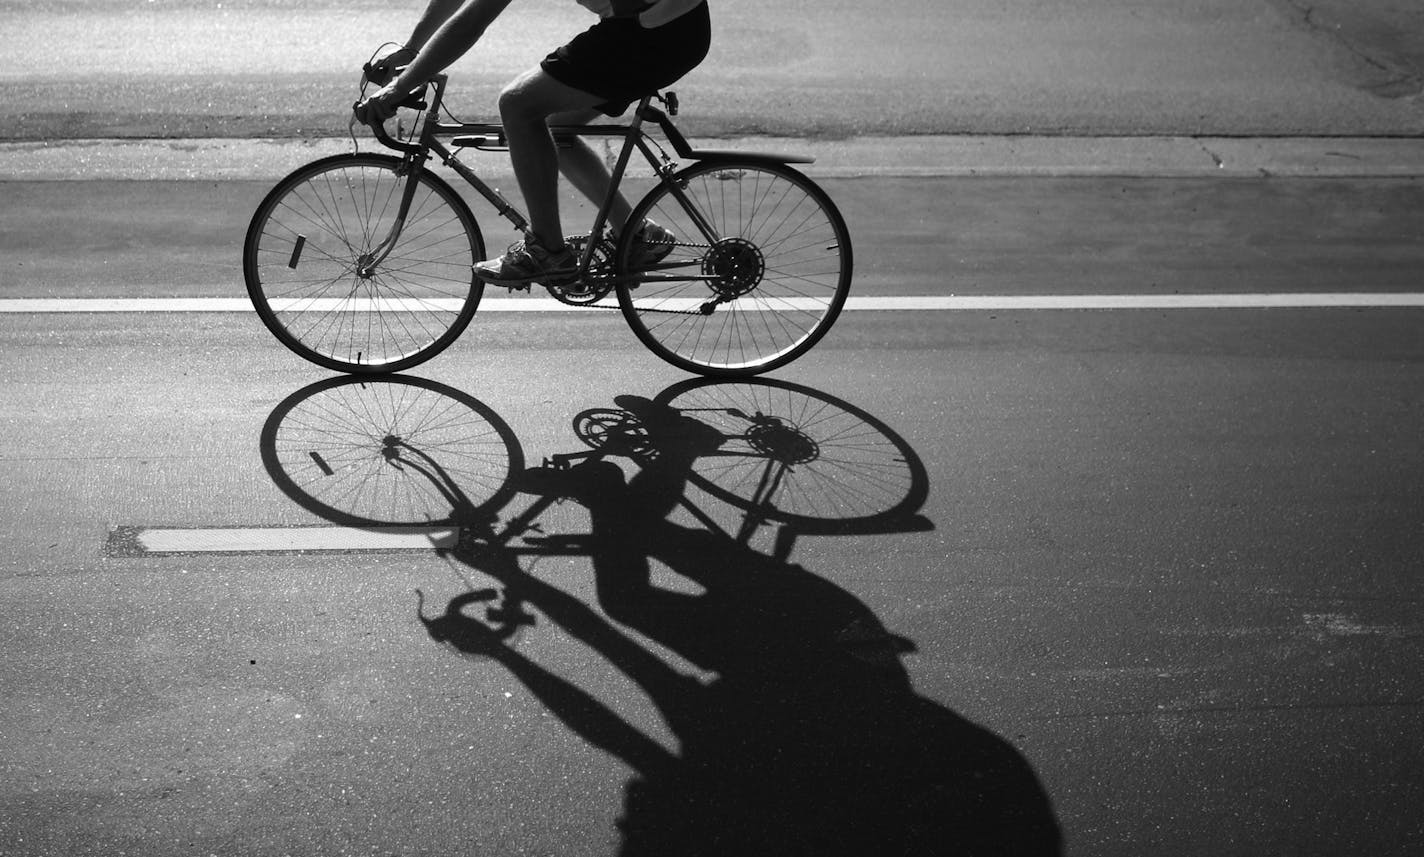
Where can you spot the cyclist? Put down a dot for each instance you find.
(637, 47)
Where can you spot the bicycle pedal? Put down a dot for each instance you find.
(572, 288)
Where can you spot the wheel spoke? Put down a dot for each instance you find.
(774, 279)
(305, 263)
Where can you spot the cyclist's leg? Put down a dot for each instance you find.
(525, 107)
(586, 170)
(619, 61)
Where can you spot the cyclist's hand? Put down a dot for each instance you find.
(379, 106)
(387, 62)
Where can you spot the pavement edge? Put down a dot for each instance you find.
(228, 159)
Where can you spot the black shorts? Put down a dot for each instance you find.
(619, 60)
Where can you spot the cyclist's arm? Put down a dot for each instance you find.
(663, 11)
(435, 14)
(446, 30)
(390, 56)
(441, 42)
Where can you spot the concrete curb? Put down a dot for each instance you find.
(930, 156)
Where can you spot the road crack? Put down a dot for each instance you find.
(1387, 73)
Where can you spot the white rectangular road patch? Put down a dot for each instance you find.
(137, 541)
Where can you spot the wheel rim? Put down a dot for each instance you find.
(761, 291)
(329, 290)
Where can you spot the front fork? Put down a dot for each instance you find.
(367, 262)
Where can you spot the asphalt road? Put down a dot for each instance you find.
(1170, 566)
(216, 68)
(1146, 578)
(1080, 581)
(995, 235)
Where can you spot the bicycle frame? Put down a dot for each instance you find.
(490, 137)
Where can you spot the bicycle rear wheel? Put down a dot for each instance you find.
(303, 262)
(759, 268)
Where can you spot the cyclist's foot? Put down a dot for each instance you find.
(651, 244)
(529, 262)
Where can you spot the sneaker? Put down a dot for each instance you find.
(527, 262)
(651, 245)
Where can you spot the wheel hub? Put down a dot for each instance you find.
(737, 266)
(366, 266)
(782, 443)
(390, 448)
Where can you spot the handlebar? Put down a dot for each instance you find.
(415, 101)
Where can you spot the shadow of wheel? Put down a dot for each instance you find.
(803, 457)
(390, 451)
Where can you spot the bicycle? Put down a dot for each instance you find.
(363, 262)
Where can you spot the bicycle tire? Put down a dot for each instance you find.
(390, 451)
(841, 470)
(300, 263)
(760, 291)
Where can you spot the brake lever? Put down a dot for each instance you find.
(381, 74)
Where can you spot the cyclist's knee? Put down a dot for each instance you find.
(535, 96)
(519, 99)
(514, 104)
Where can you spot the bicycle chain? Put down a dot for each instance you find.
(561, 298)
(559, 295)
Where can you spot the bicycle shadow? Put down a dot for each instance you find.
(811, 739)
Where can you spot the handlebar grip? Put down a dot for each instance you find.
(378, 130)
(414, 101)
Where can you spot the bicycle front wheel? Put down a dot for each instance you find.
(758, 268)
(309, 262)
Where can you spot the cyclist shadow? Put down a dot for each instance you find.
(811, 740)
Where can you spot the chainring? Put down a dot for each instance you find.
(596, 285)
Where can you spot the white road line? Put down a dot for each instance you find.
(1303, 300)
(290, 539)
